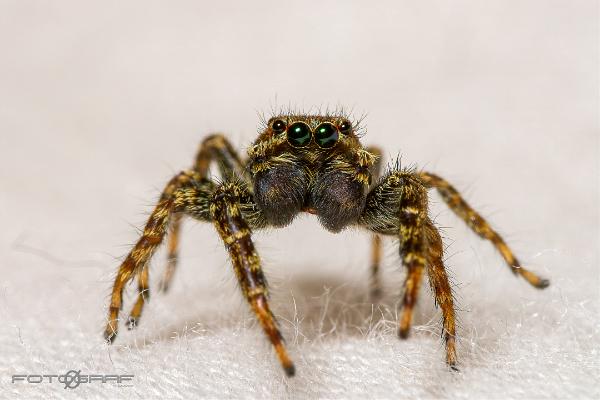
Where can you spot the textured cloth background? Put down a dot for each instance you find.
(100, 103)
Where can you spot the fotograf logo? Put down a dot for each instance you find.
(72, 378)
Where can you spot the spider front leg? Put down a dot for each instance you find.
(440, 285)
(480, 226)
(214, 148)
(227, 217)
(398, 205)
(178, 196)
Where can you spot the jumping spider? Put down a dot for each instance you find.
(314, 164)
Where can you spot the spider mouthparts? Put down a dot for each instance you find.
(309, 210)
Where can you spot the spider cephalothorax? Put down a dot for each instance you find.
(314, 164)
(310, 163)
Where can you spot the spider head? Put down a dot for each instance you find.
(308, 163)
(312, 138)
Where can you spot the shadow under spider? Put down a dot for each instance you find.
(308, 308)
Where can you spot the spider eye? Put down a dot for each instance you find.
(345, 126)
(326, 135)
(298, 134)
(279, 126)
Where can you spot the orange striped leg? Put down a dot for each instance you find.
(413, 215)
(411, 292)
(235, 233)
(213, 148)
(375, 266)
(172, 253)
(136, 263)
(440, 285)
(480, 226)
(172, 199)
(375, 283)
(217, 148)
(143, 295)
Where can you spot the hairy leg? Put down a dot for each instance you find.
(178, 196)
(143, 295)
(480, 226)
(214, 148)
(412, 217)
(398, 206)
(376, 247)
(217, 148)
(234, 231)
(440, 285)
(375, 281)
(172, 252)
(412, 285)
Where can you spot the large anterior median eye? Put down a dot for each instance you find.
(298, 134)
(326, 135)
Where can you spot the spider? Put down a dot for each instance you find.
(314, 164)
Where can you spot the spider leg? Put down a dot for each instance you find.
(412, 218)
(412, 285)
(143, 295)
(398, 206)
(217, 148)
(440, 285)
(214, 148)
(375, 281)
(376, 248)
(480, 226)
(173, 199)
(227, 217)
(172, 253)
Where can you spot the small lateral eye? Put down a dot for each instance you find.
(326, 135)
(345, 126)
(299, 134)
(279, 126)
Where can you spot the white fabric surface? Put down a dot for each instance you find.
(100, 103)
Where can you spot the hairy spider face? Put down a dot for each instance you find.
(310, 163)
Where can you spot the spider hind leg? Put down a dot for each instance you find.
(480, 226)
(440, 286)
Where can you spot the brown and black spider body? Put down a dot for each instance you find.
(290, 176)
(315, 164)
